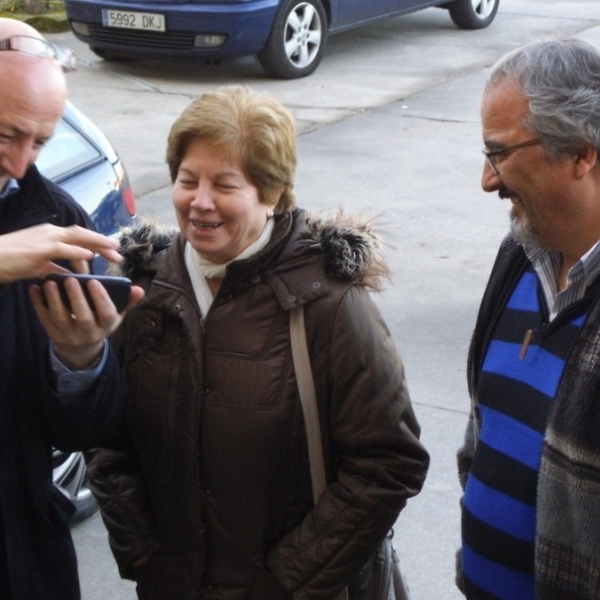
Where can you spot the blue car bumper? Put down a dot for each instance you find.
(244, 27)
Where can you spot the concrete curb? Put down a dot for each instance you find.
(55, 23)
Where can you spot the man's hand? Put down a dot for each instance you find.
(78, 334)
(30, 253)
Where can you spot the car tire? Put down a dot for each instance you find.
(69, 477)
(85, 505)
(297, 40)
(473, 14)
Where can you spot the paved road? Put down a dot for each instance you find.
(388, 124)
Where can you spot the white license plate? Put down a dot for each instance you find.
(133, 20)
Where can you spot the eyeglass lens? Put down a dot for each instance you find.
(40, 48)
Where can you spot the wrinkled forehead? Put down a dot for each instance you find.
(35, 98)
(31, 76)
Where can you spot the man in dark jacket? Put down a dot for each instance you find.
(530, 464)
(49, 355)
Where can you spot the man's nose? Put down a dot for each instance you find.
(490, 180)
(17, 158)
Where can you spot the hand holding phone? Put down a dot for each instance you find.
(118, 288)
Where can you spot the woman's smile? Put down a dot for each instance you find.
(205, 225)
(218, 208)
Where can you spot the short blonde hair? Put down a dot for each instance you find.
(248, 125)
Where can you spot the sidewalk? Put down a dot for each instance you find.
(405, 145)
(417, 162)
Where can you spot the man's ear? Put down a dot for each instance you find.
(585, 161)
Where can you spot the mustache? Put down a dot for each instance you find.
(505, 193)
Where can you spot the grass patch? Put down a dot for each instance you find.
(31, 7)
(47, 16)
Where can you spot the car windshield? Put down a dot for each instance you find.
(66, 152)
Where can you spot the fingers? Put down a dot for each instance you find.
(51, 268)
(31, 253)
(110, 255)
(79, 301)
(54, 316)
(85, 241)
(104, 303)
(80, 236)
(81, 308)
(40, 304)
(80, 266)
(137, 293)
(105, 311)
(76, 325)
(76, 330)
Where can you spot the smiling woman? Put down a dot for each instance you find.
(214, 490)
(218, 209)
(288, 36)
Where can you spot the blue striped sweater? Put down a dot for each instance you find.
(519, 379)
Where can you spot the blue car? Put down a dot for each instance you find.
(83, 162)
(288, 36)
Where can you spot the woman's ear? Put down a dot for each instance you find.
(272, 198)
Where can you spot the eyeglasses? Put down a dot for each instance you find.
(491, 155)
(40, 48)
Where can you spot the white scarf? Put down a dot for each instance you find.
(199, 268)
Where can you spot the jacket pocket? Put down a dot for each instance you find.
(168, 577)
(265, 586)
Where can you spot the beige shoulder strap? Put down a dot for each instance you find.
(308, 399)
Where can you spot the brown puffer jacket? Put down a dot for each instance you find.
(214, 482)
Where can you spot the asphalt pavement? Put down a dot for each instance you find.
(388, 124)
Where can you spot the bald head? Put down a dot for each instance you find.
(10, 27)
(32, 67)
(33, 93)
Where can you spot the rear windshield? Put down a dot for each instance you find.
(66, 153)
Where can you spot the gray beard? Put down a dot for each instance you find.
(523, 233)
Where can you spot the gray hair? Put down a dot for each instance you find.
(560, 78)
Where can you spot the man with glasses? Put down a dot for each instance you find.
(530, 463)
(50, 393)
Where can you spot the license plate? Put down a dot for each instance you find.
(133, 20)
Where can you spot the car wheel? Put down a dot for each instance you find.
(297, 40)
(69, 476)
(473, 14)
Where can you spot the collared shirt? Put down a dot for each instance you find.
(547, 265)
(68, 381)
(71, 383)
(10, 188)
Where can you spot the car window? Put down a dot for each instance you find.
(66, 153)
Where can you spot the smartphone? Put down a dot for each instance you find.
(118, 288)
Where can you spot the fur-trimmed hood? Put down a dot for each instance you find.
(351, 248)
